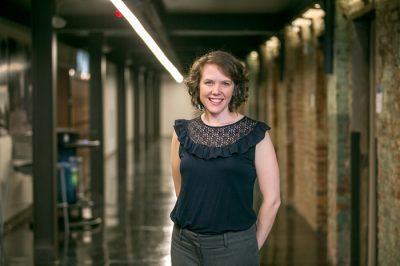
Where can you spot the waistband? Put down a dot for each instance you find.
(212, 241)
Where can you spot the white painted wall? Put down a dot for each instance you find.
(175, 104)
(15, 188)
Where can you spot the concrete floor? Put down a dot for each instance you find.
(137, 229)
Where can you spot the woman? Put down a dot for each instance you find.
(215, 160)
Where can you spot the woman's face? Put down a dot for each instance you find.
(216, 90)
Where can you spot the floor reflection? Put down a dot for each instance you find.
(292, 242)
(137, 229)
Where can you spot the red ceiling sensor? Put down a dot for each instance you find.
(118, 14)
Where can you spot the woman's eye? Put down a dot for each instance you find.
(208, 82)
(226, 84)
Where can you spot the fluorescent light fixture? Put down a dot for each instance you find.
(148, 40)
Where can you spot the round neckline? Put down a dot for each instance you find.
(227, 125)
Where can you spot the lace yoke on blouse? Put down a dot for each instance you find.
(210, 142)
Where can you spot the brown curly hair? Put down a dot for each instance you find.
(230, 66)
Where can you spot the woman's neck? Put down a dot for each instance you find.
(221, 120)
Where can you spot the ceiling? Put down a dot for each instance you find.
(183, 29)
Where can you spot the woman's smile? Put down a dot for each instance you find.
(216, 100)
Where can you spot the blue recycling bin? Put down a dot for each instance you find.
(68, 165)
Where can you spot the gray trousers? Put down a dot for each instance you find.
(230, 249)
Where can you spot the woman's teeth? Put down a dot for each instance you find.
(215, 100)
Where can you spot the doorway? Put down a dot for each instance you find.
(363, 148)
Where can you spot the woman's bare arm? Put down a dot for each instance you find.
(268, 180)
(175, 163)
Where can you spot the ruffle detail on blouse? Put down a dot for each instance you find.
(242, 145)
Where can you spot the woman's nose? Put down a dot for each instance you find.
(215, 89)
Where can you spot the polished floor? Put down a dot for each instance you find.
(137, 229)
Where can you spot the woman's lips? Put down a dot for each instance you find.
(216, 100)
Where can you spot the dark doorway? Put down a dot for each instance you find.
(363, 193)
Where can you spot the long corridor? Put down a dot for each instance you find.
(137, 228)
(78, 84)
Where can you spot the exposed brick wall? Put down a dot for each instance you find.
(301, 106)
(301, 193)
(307, 105)
(312, 117)
(292, 46)
(339, 145)
(388, 130)
(322, 139)
(282, 141)
(274, 106)
(295, 106)
(307, 188)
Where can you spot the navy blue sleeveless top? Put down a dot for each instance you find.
(218, 173)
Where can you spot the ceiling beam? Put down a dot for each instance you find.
(224, 41)
(247, 22)
(189, 48)
(12, 11)
(224, 22)
(94, 23)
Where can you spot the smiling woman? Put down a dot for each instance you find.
(218, 67)
(216, 91)
(215, 161)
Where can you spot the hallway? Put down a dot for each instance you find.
(137, 229)
(323, 75)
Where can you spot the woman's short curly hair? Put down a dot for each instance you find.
(230, 66)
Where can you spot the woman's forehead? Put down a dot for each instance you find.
(214, 69)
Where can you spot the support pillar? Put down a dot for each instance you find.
(136, 114)
(148, 108)
(121, 94)
(329, 7)
(97, 74)
(156, 106)
(44, 56)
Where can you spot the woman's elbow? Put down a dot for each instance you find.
(275, 203)
(278, 203)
